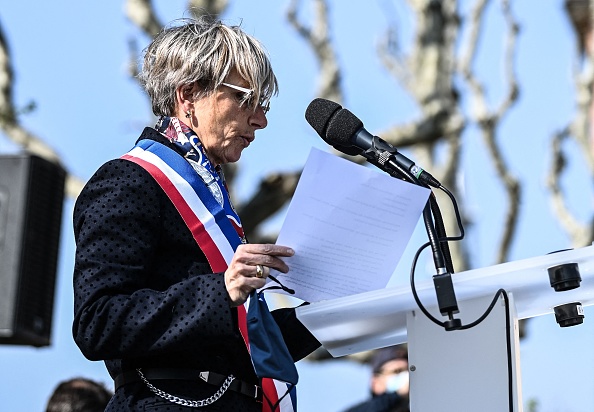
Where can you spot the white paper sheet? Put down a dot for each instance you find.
(348, 225)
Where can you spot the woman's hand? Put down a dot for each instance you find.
(250, 267)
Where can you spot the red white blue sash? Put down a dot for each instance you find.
(216, 233)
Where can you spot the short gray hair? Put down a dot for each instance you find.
(203, 52)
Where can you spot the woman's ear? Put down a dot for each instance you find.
(184, 96)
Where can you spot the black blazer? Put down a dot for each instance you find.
(144, 293)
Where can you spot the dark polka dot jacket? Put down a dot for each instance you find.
(144, 293)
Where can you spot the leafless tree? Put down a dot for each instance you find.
(427, 73)
(579, 129)
(438, 54)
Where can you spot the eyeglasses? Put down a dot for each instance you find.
(248, 97)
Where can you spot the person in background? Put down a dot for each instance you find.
(162, 267)
(389, 385)
(79, 395)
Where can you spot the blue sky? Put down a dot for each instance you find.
(70, 57)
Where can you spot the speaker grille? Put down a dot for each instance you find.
(31, 200)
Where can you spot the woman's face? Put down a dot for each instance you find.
(224, 127)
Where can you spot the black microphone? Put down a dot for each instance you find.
(318, 114)
(345, 132)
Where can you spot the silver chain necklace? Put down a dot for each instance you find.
(186, 402)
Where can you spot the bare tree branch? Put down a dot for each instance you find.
(427, 130)
(141, 13)
(211, 7)
(388, 50)
(274, 192)
(7, 113)
(318, 37)
(580, 128)
(513, 90)
(429, 71)
(488, 120)
(581, 124)
(12, 128)
(580, 234)
(580, 14)
(467, 59)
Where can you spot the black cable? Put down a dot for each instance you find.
(456, 213)
(442, 240)
(414, 289)
(508, 336)
(426, 312)
(438, 229)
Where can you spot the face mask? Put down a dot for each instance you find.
(395, 382)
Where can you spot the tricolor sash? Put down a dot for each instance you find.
(218, 236)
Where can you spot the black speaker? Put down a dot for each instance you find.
(31, 200)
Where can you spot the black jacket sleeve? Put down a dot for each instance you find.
(140, 286)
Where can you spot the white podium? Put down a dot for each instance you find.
(465, 370)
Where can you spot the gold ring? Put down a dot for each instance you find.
(259, 271)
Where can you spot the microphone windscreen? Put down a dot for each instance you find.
(318, 114)
(342, 128)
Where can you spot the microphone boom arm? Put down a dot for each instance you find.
(444, 288)
(345, 132)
